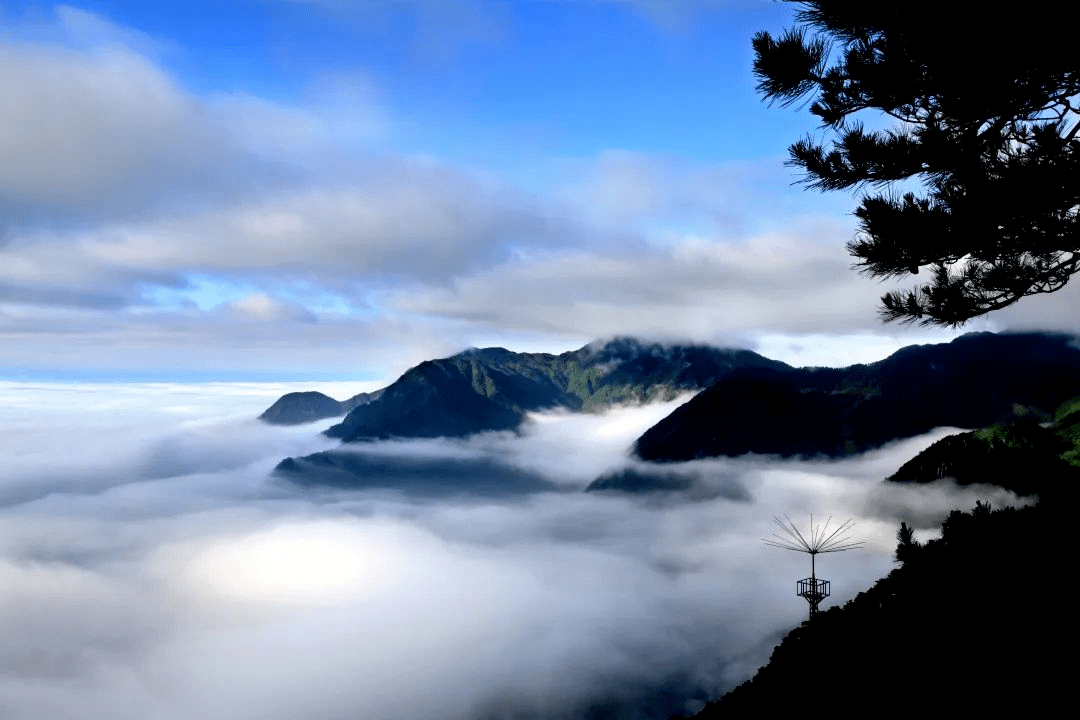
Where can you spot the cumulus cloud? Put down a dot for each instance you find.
(95, 133)
(141, 214)
(692, 287)
(1053, 312)
(97, 130)
(179, 578)
(204, 221)
(410, 219)
(406, 220)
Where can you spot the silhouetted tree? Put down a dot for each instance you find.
(906, 545)
(986, 110)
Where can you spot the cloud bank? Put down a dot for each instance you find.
(153, 568)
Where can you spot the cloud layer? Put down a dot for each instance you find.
(154, 569)
(142, 218)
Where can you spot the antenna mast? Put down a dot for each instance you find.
(819, 539)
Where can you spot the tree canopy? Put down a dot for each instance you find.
(977, 180)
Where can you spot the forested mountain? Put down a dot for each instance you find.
(1021, 456)
(972, 382)
(751, 404)
(493, 388)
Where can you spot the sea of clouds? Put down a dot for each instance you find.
(152, 567)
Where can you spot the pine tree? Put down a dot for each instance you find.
(977, 183)
(906, 544)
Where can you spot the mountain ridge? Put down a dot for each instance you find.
(843, 411)
(750, 404)
(486, 389)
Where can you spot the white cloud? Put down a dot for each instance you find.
(812, 349)
(408, 219)
(92, 32)
(176, 193)
(90, 133)
(262, 307)
(689, 288)
(215, 343)
(411, 220)
(729, 199)
(96, 130)
(141, 523)
(1053, 312)
(289, 214)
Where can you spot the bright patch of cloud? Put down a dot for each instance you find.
(260, 306)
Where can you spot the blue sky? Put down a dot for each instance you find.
(339, 189)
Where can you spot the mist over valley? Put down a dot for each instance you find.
(157, 567)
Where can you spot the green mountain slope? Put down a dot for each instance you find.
(974, 381)
(1022, 457)
(493, 389)
(1067, 425)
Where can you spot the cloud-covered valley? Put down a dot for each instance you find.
(153, 568)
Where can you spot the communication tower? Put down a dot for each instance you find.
(819, 539)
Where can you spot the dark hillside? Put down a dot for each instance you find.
(465, 394)
(1022, 457)
(302, 407)
(972, 624)
(772, 413)
(974, 381)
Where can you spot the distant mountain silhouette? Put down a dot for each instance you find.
(972, 382)
(692, 484)
(416, 475)
(303, 407)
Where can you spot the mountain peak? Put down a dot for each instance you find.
(482, 389)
